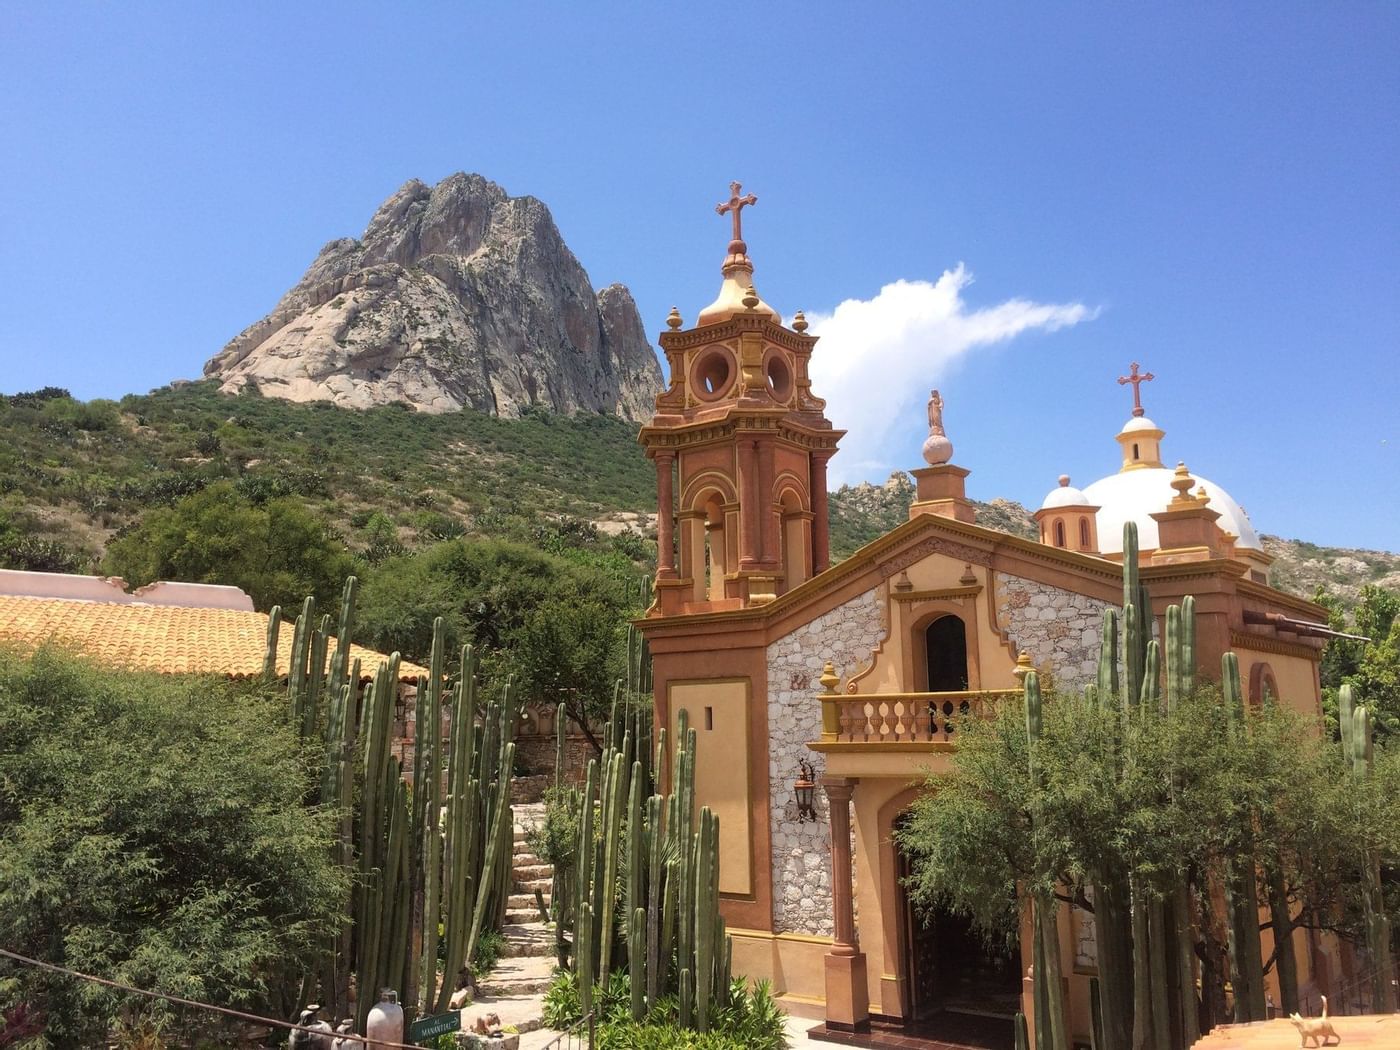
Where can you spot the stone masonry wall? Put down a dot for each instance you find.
(1060, 629)
(802, 851)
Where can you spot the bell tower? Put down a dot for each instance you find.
(741, 446)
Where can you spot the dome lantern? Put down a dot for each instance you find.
(1068, 519)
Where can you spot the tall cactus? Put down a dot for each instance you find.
(653, 865)
(1362, 759)
(1049, 988)
(1241, 891)
(419, 860)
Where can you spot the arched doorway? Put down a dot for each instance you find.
(958, 984)
(945, 646)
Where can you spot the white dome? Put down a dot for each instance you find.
(1134, 494)
(1066, 495)
(1138, 423)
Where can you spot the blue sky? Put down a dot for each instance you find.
(1211, 189)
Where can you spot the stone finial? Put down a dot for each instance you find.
(799, 322)
(673, 320)
(938, 450)
(904, 583)
(751, 299)
(829, 679)
(1064, 481)
(1182, 482)
(1202, 497)
(1023, 666)
(968, 577)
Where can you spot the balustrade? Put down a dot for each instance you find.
(902, 718)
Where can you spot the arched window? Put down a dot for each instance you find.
(1084, 543)
(1059, 533)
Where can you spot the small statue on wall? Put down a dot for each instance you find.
(938, 450)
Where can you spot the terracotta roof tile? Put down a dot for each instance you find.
(165, 638)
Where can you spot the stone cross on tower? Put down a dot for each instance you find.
(734, 205)
(1137, 380)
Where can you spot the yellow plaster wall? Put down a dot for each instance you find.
(794, 962)
(1297, 685)
(721, 768)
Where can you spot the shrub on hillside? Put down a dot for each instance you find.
(152, 832)
(277, 551)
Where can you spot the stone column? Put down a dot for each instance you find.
(665, 527)
(847, 997)
(821, 525)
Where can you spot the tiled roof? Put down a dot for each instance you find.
(166, 638)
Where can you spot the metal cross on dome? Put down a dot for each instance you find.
(734, 206)
(1137, 380)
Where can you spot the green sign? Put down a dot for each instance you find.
(438, 1024)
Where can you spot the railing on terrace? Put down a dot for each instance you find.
(902, 718)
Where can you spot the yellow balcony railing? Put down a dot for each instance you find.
(902, 719)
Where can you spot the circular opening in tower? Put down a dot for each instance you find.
(779, 377)
(712, 375)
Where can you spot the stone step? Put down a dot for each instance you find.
(533, 938)
(518, 975)
(529, 886)
(524, 900)
(527, 872)
(520, 915)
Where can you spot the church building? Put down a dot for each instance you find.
(851, 676)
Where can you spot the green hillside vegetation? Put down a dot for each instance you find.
(74, 475)
(77, 477)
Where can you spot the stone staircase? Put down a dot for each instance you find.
(527, 959)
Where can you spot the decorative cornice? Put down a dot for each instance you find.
(938, 594)
(705, 335)
(1256, 643)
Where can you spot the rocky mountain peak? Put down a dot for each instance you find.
(456, 295)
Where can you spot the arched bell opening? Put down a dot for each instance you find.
(704, 546)
(796, 538)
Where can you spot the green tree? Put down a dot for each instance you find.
(568, 651)
(277, 551)
(1372, 667)
(1192, 797)
(152, 832)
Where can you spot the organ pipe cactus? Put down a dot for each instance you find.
(1241, 893)
(1049, 989)
(421, 860)
(1373, 901)
(1145, 995)
(646, 893)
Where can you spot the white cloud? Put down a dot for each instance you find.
(879, 358)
